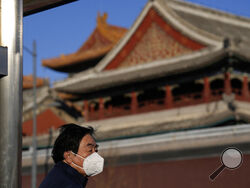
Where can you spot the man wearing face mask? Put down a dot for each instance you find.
(76, 158)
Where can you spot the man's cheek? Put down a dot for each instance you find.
(78, 161)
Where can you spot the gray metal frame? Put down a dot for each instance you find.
(3, 61)
(11, 95)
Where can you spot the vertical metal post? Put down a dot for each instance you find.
(11, 95)
(34, 142)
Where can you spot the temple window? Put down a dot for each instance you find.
(236, 86)
(118, 100)
(151, 94)
(217, 86)
(188, 90)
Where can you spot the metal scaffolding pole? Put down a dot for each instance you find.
(11, 95)
(34, 143)
(34, 139)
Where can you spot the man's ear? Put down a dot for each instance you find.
(67, 157)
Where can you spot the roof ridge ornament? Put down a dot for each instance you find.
(231, 42)
(101, 19)
(106, 30)
(226, 42)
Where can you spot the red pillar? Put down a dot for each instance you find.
(101, 108)
(245, 91)
(168, 97)
(92, 109)
(227, 84)
(110, 109)
(134, 103)
(206, 90)
(86, 110)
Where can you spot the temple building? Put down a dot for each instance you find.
(167, 96)
(50, 112)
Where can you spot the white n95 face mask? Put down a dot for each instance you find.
(92, 165)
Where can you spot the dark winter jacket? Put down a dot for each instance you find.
(64, 176)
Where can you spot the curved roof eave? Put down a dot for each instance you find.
(92, 80)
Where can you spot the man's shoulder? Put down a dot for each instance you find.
(58, 177)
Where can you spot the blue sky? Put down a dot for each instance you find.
(63, 30)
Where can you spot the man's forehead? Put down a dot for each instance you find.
(92, 145)
(88, 140)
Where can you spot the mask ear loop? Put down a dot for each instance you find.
(77, 155)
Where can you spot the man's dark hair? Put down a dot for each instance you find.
(69, 140)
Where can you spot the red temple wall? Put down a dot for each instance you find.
(192, 173)
(45, 120)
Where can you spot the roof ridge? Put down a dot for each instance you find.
(184, 22)
(210, 10)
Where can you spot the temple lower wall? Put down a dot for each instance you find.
(189, 173)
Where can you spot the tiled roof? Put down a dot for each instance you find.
(67, 96)
(101, 41)
(218, 23)
(28, 82)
